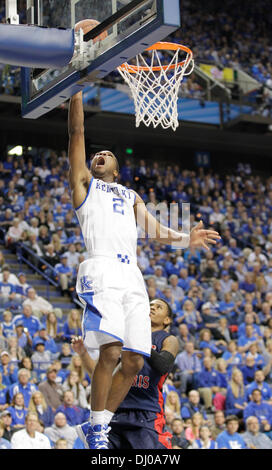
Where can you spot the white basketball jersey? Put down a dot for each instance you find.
(107, 220)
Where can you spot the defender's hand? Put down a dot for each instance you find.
(78, 346)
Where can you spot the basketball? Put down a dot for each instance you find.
(89, 24)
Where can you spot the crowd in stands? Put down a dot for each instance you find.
(219, 393)
(222, 34)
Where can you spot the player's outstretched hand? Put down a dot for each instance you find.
(201, 238)
(77, 345)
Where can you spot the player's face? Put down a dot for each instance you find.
(104, 165)
(159, 313)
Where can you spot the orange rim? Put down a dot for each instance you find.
(159, 46)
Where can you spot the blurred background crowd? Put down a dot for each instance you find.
(221, 300)
(219, 393)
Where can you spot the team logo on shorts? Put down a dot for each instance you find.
(86, 284)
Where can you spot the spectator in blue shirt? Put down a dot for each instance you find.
(221, 367)
(248, 285)
(23, 285)
(28, 320)
(72, 326)
(230, 438)
(245, 341)
(208, 382)
(7, 292)
(190, 316)
(248, 320)
(259, 359)
(184, 279)
(204, 441)
(173, 266)
(23, 386)
(127, 172)
(3, 394)
(193, 406)
(49, 343)
(74, 414)
(231, 356)
(264, 387)
(257, 407)
(65, 274)
(23, 337)
(18, 410)
(8, 370)
(236, 397)
(227, 306)
(188, 365)
(7, 325)
(206, 341)
(248, 369)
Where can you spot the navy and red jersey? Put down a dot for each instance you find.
(146, 391)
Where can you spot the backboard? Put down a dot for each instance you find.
(132, 26)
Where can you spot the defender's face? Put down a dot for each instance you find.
(104, 165)
(158, 312)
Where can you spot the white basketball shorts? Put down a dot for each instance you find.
(116, 304)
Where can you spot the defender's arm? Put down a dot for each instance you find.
(164, 360)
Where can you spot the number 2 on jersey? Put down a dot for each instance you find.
(118, 206)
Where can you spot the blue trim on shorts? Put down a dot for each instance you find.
(89, 188)
(136, 350)
(92, 317)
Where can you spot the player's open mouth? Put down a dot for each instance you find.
(100, 161)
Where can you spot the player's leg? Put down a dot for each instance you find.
(131, 364)
(103, 329)
(95, 434)
(102, 376)
(148, 432)
(118, 431)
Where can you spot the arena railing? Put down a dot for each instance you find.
(36, 263)
(41, 267)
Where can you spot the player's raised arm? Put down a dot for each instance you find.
(198, 238)
(79, 175)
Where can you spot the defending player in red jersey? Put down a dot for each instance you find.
(139, 421)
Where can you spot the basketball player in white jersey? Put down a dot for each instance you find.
(109, 283)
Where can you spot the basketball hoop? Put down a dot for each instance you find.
(154, 86)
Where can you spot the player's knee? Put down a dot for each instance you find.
(110, 355)
(132, 363)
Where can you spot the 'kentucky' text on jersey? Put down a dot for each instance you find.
(107, 220)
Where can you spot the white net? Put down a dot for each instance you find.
(155, 86)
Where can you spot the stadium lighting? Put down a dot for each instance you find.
(18, 150)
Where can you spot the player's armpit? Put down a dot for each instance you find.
(79, 188)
